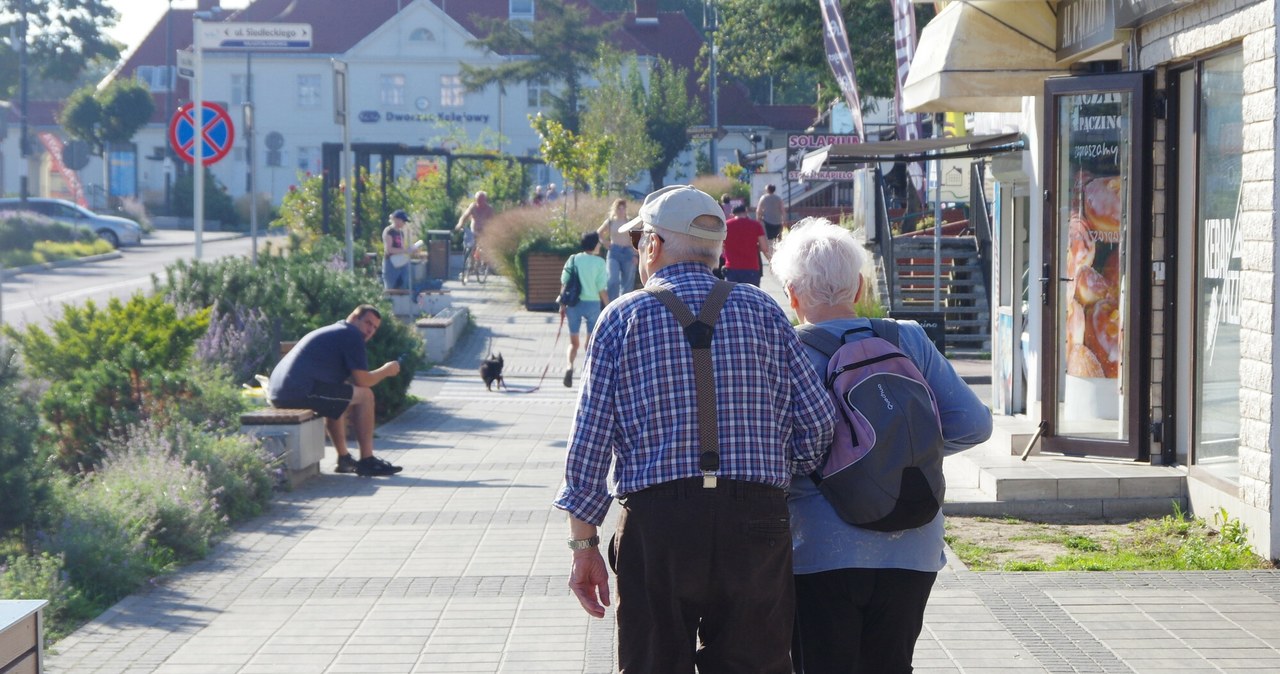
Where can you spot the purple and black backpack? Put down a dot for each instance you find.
(883, 470)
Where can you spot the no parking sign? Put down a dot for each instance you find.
(217, 133)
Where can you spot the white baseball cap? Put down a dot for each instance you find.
(674, 208)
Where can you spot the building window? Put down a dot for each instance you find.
(309, 159)
(520, 10)
(451, 91)
(540, 95)
(155, 78)
(239, 91)
(422, 35)
(308, 91)
(391, 89)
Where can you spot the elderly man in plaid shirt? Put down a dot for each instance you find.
(702, 552)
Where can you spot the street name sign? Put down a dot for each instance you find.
(254, 36)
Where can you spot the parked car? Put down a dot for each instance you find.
(114, 230)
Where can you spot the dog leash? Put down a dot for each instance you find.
(545, 368)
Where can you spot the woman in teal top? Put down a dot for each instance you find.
(595, 294)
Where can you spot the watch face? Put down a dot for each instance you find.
(422, 103)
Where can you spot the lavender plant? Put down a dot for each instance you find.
(240, 341)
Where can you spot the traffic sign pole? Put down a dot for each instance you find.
(197, 110)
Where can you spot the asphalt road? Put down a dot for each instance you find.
(35, 297)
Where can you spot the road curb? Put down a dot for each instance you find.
(73, 262)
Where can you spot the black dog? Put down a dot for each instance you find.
(491, 371)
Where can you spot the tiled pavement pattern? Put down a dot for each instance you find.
(458, 565)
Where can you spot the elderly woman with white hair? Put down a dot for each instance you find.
(861, 594)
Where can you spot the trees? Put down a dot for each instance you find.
(582, 160)
(669, 111)
(561, 46)
(105, 117)
(63, 37)
(613, 111)
(763, 38)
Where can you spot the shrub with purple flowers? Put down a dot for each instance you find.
(240, 341)
(148, 468)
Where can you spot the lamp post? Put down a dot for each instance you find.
(710, 22)
(168, 108)
(24, 151)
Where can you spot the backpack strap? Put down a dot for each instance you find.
(699, 333)
(820, 339)
(887, 329)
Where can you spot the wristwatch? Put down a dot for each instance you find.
(583, 543)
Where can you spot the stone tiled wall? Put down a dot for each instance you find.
(1202, 28)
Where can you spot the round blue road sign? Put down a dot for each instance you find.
(214, 140)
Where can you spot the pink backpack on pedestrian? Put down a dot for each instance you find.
(883, 470)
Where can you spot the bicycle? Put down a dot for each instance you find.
(474, 266)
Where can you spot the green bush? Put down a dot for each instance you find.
(111, 368)
(22, 478)
(299, 293)
(239, 471)
(105, 540)
(147, 468)
(25, 239)
(41, 577)
(217, 203)
(85, 335)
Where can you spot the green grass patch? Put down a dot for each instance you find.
(1172, 543)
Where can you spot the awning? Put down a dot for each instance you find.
(983, 57)
(911, 150)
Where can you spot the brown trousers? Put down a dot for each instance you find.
(704, 578)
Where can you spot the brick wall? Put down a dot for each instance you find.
(1200, 29)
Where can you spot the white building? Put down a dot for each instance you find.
(404, 59)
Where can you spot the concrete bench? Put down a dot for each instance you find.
(442, 331)
(296, 434)
(433, 302)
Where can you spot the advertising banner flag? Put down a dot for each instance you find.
(904, 42)
(53, 146)
(841, 61)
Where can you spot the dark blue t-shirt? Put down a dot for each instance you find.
(328, 354)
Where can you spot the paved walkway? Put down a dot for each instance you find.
(458, 564)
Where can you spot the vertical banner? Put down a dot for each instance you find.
(904, 43)
(53, 146)
(841, 61)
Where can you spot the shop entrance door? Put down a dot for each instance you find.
(1094, 291)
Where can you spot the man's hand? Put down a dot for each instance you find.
(590, 581)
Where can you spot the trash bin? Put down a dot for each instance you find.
(437, 241)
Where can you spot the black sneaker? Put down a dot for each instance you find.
(568, 378)
(346, 464)
(372, 466)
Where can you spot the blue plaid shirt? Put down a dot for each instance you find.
(638, 404)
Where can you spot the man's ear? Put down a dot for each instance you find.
(857, 297)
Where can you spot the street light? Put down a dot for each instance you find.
(710, 22)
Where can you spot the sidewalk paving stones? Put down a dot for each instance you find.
(458, 564)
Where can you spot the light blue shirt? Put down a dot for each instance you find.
(824, 542)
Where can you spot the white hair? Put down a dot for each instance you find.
(821, 261)
(682, 247)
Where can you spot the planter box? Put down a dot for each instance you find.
(21, 636)
(542, 280)
(440, 332)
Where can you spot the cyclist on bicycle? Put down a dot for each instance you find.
(478, 213)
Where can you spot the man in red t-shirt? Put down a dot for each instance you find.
(743, 246)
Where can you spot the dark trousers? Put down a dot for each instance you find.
(859, 621)
(704, 578)
(751, 276)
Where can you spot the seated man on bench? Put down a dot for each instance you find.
(328, 371)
